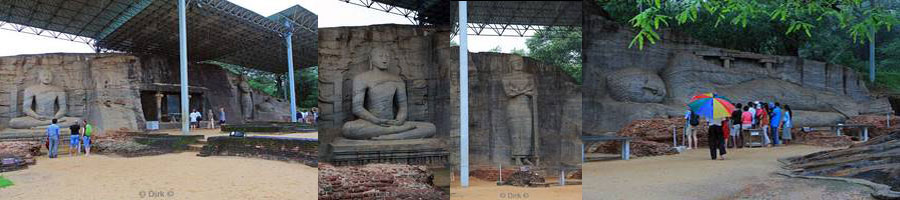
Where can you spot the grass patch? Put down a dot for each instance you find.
(5, 182)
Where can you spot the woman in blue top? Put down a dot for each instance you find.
(786, 126)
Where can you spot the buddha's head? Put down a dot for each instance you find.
(517, 63)
(45, 76)
(379, 58)
(636, 85)
(243, 85)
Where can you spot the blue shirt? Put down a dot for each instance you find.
(222, 116)
(53, 131)
(776, 117)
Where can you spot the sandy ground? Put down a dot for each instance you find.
(217, 132)
(690, 175)
(797, 188)
(169, 176)
(480, 189)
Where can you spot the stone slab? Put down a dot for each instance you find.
(415, 151)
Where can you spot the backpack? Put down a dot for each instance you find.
(695, 119)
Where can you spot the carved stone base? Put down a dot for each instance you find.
(26, 134)
(431, 152)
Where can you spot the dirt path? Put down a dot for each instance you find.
(171, 176)
(690, 175)
(480, 189)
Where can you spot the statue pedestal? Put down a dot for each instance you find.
(431, 152)
(25, 134)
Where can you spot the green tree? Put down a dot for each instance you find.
(520, 52)
(309, 89)
(496, 49)
(833, 31)
(558, 46)
(307, 80)
(860, 19)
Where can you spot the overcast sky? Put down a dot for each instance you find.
(332, 13)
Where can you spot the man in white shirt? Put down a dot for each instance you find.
(753, 112)
(194, 115)
(716, 138)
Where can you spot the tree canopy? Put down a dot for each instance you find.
(859, 19)
(560, 47)
(834, 31)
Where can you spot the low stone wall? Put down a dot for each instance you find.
(269, 127)
(173, 142)
(651, 137)
(271, 148)
(16, 155)
(492, 174)
(880, 123)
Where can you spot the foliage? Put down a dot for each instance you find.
(857, 17)
(266, 82)
(560, 47)
(5, 182)
(835, 33)
(520, 52)
(309, 84)
(496, 49)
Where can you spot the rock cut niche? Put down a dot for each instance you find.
(522, 113)
(68, 87)
(380, 91)
(658, 80)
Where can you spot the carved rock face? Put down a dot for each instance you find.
(636, 85)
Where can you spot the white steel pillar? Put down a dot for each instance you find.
(463, 95)
(182, 46)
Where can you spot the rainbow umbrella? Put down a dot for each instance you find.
(711, 106)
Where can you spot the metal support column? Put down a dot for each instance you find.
(872, 51)
(182, 46)
(463, 95)
(290, 59)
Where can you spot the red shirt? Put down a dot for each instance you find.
(747, 118)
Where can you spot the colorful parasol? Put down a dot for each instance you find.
(711, 106)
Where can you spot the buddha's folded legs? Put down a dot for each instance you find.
(422, 130)
(363, 130)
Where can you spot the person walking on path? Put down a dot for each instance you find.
(786, 124)
(691, 120)
(736, 121)
(74, 137)
(87, 138)
(53, 138)
(776, 122)
(716, 139)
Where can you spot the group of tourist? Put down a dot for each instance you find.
(196, 117)
(80, 135)
(772, 120)
(308, 116)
